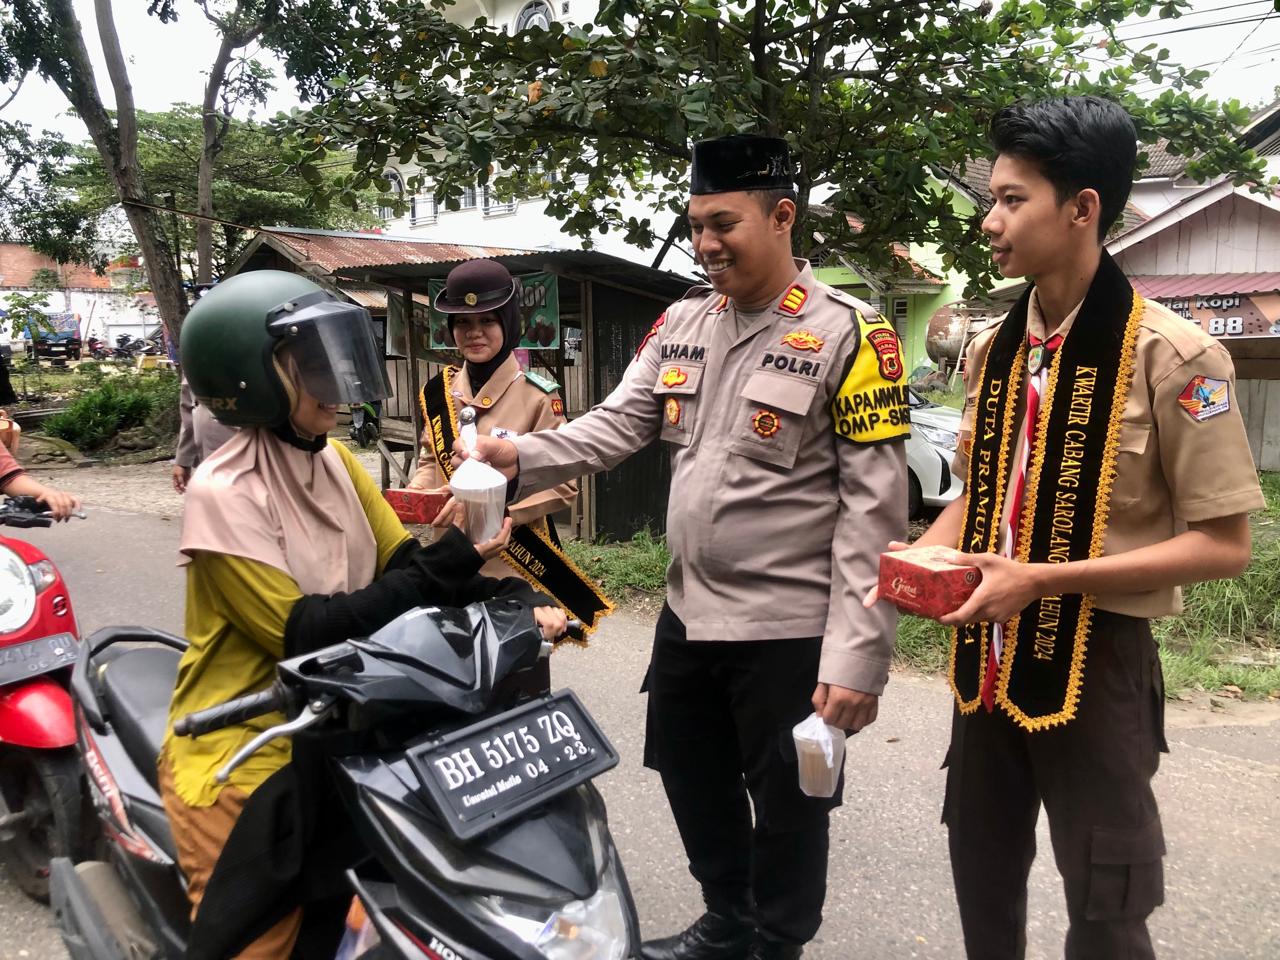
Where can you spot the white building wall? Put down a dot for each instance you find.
(103, 313)
(1235, 235)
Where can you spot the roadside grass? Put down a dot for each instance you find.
(638, 565)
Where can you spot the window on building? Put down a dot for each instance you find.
(494, 207)
(469, 198)
(899, 316)
(395, 190)
(423, 209)
(535, 14)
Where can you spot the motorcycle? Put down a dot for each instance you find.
(364, 423)
(41, 808)
(98, 349)
(483, 835)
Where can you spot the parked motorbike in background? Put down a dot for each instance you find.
(484, 837)
(364, 423)
(98, 349)
(42, 812)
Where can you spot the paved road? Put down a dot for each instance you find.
(889, 881)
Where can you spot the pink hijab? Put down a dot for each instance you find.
(260, 498)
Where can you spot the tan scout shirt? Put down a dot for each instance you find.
(199, 434)
(775, 525)
(1172, 467)
(508, 406)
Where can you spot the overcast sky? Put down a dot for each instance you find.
(168, 61)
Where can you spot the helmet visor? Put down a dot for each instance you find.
(334, 348)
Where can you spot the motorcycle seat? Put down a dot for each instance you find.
(136, 688)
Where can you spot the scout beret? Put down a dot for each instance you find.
(744, 161)
(476, 286)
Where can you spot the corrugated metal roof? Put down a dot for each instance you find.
(1204, 284)
(332, 250)
(376, 300)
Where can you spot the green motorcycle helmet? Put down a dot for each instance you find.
(235, 340)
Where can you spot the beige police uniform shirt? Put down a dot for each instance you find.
(775, 524)
(199, 434)
(508, 406)
(1173, 467)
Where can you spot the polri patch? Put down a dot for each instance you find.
(1205, 397)
(672, 410)
(766, 423)
(888, 350)
(803, 340)
(794, 300)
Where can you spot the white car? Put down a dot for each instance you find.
(932, 444)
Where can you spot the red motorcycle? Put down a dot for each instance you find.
(42, 800)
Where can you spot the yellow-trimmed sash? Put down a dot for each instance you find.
(534, 552)
(1066, 504)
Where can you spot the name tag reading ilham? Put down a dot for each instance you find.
(919, 580)
(495, 770)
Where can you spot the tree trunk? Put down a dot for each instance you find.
(66, 62)
(209, 151)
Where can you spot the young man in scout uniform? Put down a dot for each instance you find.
(784, 405)
(1090, 418)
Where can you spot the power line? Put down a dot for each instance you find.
(1244, 41)
(1202, 26)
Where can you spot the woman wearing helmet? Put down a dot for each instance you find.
(287, 541)
(481, 301)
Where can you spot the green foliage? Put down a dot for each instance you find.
(248, 186)
(26, 313)
(873, 97)
(638, 564)
(92, 419)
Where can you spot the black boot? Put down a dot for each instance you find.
(762, 949)
(713, 936)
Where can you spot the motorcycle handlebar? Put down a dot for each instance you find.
(232, 712)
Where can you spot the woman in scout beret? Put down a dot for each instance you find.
(289, 547)
(482, 303)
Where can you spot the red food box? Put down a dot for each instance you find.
(416, 506)
(920, 580)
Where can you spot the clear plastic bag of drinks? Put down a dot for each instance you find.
(820, 755)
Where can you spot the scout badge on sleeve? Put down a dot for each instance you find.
(1066, 499)
(870, 406)
(1205, 397)
(532, 553)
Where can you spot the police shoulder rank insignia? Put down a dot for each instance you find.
(545, 384)
(766, 423)
(803, 340)
(674, 377)
(672, 410)
(1205, 397)
(871, 404)
(794, 300)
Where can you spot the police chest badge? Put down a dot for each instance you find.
(802, 340)
(674, 377)
(672, 410)
(886, 346)
(1205, 397)
(765, 423)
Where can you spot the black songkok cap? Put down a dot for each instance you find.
(743, 161)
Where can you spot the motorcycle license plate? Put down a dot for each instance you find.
(493, 771)
(21, 661)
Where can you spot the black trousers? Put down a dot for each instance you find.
(1093, 776)
(719, 732)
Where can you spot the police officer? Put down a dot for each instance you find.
(782, 402)
(1091, 419)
